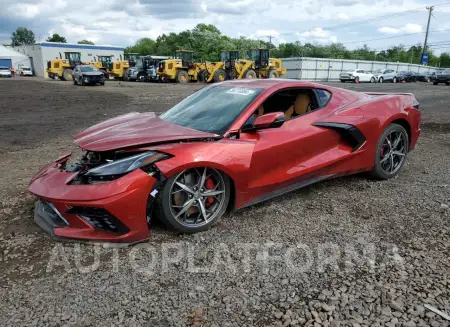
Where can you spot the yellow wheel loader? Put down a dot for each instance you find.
(259, 65)
(62, 68)
(104, 63)
(221, 70)
(265, 66)
(119, 68)
(180, 69)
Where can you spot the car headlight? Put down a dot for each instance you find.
(126, 165)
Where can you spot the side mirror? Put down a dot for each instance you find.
(271, 120)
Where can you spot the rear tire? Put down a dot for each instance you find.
(74, 81)
(372, 80)
(220, 75)
(273, 74)
(250, 74)
(182, 77)
(381, 80)
(435, 83)
(378, 171)
(394, 80)
(342, 81)
(357, 80)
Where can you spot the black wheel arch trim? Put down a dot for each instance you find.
(349, 132)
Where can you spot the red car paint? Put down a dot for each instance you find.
(261, 163)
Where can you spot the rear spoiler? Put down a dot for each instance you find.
(380, 93)
(415, 102)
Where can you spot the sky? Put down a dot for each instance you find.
(122, 22)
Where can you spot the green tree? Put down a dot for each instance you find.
(85, 42)
(56, 38)
(22, 36)
(144, 46)
(444, 60)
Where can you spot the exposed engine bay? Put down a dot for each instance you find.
(102, 167)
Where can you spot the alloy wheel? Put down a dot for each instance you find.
(393, 152)
(197, 196)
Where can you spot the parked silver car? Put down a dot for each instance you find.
(386, 75)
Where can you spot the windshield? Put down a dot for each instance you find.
(88, 69)
(212, 109)
(26, 68)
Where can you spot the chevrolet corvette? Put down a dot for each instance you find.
(225, 147)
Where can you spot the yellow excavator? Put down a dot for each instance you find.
(181, 69)
(119, 68)
(61, 68)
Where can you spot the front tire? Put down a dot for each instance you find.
(202, 76)
(391, 151)
(372, 80)
(220, 75)
(273, 74)
(193, 200)
(357, 80)
(381, 80)
(250, 74)
(394, 80)
(67, 74)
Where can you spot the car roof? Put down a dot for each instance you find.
(269, 82)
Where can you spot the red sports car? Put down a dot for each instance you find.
(227, 146)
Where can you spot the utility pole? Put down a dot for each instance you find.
(430, 10)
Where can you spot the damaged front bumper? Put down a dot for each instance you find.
(116, 211)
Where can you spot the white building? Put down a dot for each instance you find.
(10, 58)
(41, 53)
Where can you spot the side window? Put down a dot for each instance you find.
(360, 71)
(294, 102)
(324, 97)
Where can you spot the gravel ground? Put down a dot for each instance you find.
(345, 252)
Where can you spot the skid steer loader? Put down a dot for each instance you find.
(180, 69)
(62, 68)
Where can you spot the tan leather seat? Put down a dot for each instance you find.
(301, 106)
(260, 111)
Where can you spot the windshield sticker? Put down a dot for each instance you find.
(241, 91)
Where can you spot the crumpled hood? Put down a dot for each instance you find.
(134, 129)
